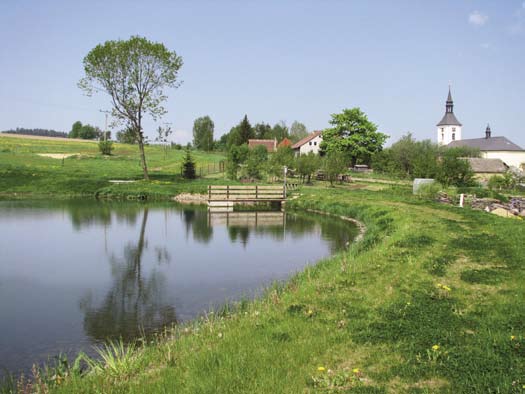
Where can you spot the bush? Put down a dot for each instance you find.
(105, 147)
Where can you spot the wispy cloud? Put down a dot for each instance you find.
(476, 18)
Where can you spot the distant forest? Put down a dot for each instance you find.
(41, 132)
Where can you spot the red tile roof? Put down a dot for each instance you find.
(285, 142)
(270, 145)
(306, 139)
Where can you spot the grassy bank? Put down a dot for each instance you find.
(431, 301)
(24, 172)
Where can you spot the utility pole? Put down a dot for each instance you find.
(106, 124)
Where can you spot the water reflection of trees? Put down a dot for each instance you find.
(135, 305)
(196, 222)
(85, 214)
(337, 233)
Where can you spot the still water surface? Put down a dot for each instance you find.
(75, 273)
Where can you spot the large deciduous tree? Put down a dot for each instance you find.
(203, 128)
(298, 131)
(134, 73)
(354, 135)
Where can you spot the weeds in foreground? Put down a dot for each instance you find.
(116, 360)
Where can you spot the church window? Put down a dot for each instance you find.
(453, 129)
(310, 143)
(442, 136)
(453, 136)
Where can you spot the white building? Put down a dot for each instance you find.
(496, 148)
(308, 144)
(449, 128)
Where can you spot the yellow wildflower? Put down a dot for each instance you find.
(447, 288)
(355, 370)
(512, 337)
(435, 348)
(321, 369)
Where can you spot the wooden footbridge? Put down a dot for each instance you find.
(222, 198)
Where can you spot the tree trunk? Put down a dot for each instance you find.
(142, 155)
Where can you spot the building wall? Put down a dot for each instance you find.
(510, 158)
(311, 146)
(444, 134)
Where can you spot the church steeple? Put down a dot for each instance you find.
(449, 119)
(449, 128)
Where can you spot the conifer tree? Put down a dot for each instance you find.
(188, 166)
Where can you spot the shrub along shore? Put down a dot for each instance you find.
(429, 301)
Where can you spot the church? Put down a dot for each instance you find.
(449, 134)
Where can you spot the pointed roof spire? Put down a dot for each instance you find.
(449, 119)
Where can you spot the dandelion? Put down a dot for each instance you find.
(447, 288)
(321, 369)
(356, 370)
(310, 312)
(435, 348)
(512, 337)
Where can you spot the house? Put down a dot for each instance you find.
(270, 145)
(495, 148)
(484, 169)
(308, 144)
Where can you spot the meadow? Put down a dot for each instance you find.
(25, 173)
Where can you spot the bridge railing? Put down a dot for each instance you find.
(246, 193)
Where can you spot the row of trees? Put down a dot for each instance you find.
(204, 128)
(256, 163)
(86, 131)
(38, 132)
(408, 158)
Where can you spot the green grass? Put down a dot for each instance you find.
(24, 173)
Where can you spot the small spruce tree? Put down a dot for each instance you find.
(188, 166)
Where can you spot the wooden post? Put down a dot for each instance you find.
(228, 192)
(256, 192)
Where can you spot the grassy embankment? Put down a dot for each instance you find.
(24, 173)
(431, 301)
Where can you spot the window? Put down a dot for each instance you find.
(310, 143)
(453, 129)
(315, 143)
(453, 136)
(442, 136)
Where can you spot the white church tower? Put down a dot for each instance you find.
(449, 128)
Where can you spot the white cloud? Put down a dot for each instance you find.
(476, 18)
(486, 45)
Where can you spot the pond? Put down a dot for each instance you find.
(76, 273)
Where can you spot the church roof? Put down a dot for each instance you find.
(487, 144)
(449, 119)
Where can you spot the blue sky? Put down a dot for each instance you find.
(278, 61)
